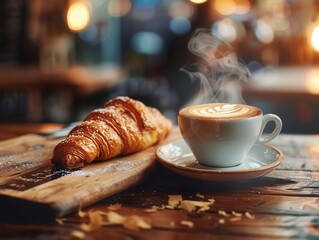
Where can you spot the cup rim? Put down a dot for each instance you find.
(260, 114)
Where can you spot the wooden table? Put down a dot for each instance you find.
(281, 205)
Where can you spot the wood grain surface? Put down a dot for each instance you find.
(284, 203)
(29, 181)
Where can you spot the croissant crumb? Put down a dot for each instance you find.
(121, 127)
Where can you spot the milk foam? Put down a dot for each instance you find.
(227, 111)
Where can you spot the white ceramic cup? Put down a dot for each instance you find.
(221, 134)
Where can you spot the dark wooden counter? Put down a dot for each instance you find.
(281, 205)
(80, 79)
(11, 130)
(290, 92)
(32, 94)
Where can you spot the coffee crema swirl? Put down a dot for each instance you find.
(221, 111)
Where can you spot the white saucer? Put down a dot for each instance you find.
(177, 156)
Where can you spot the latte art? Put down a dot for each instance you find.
(227, 110)
(221, 111)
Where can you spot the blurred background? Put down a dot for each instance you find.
(60, 59)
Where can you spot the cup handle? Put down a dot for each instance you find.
(278, 125)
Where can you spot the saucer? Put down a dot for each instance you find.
(177, 156)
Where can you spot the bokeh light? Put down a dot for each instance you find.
(198, 1)
(226, 29)
(149, 43)
(180, 25)
(119, 8)
(281, 9)
(242, 6)
(228, 7)
(145, 4)
(225, 7)
(312, 81)
(229, 30)
(255, 66)
(264, 32)
(181, 9)
(78, 16)
(315, 38)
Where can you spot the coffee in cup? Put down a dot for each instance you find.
(221, 134)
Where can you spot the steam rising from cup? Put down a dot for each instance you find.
(219, 72)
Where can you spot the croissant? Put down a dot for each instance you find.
(121, 127)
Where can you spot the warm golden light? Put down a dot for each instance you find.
(225, 7)
(313, 149)
(198, 1)
(119, 8)
(315, 38)
(242, 7)
(312, 82)
(78, 16)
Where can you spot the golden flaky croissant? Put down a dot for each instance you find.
(121, 127)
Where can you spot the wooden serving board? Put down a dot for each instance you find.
(31, 188)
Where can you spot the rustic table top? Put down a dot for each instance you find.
(281, 205)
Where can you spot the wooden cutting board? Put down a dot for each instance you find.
(31, 188)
